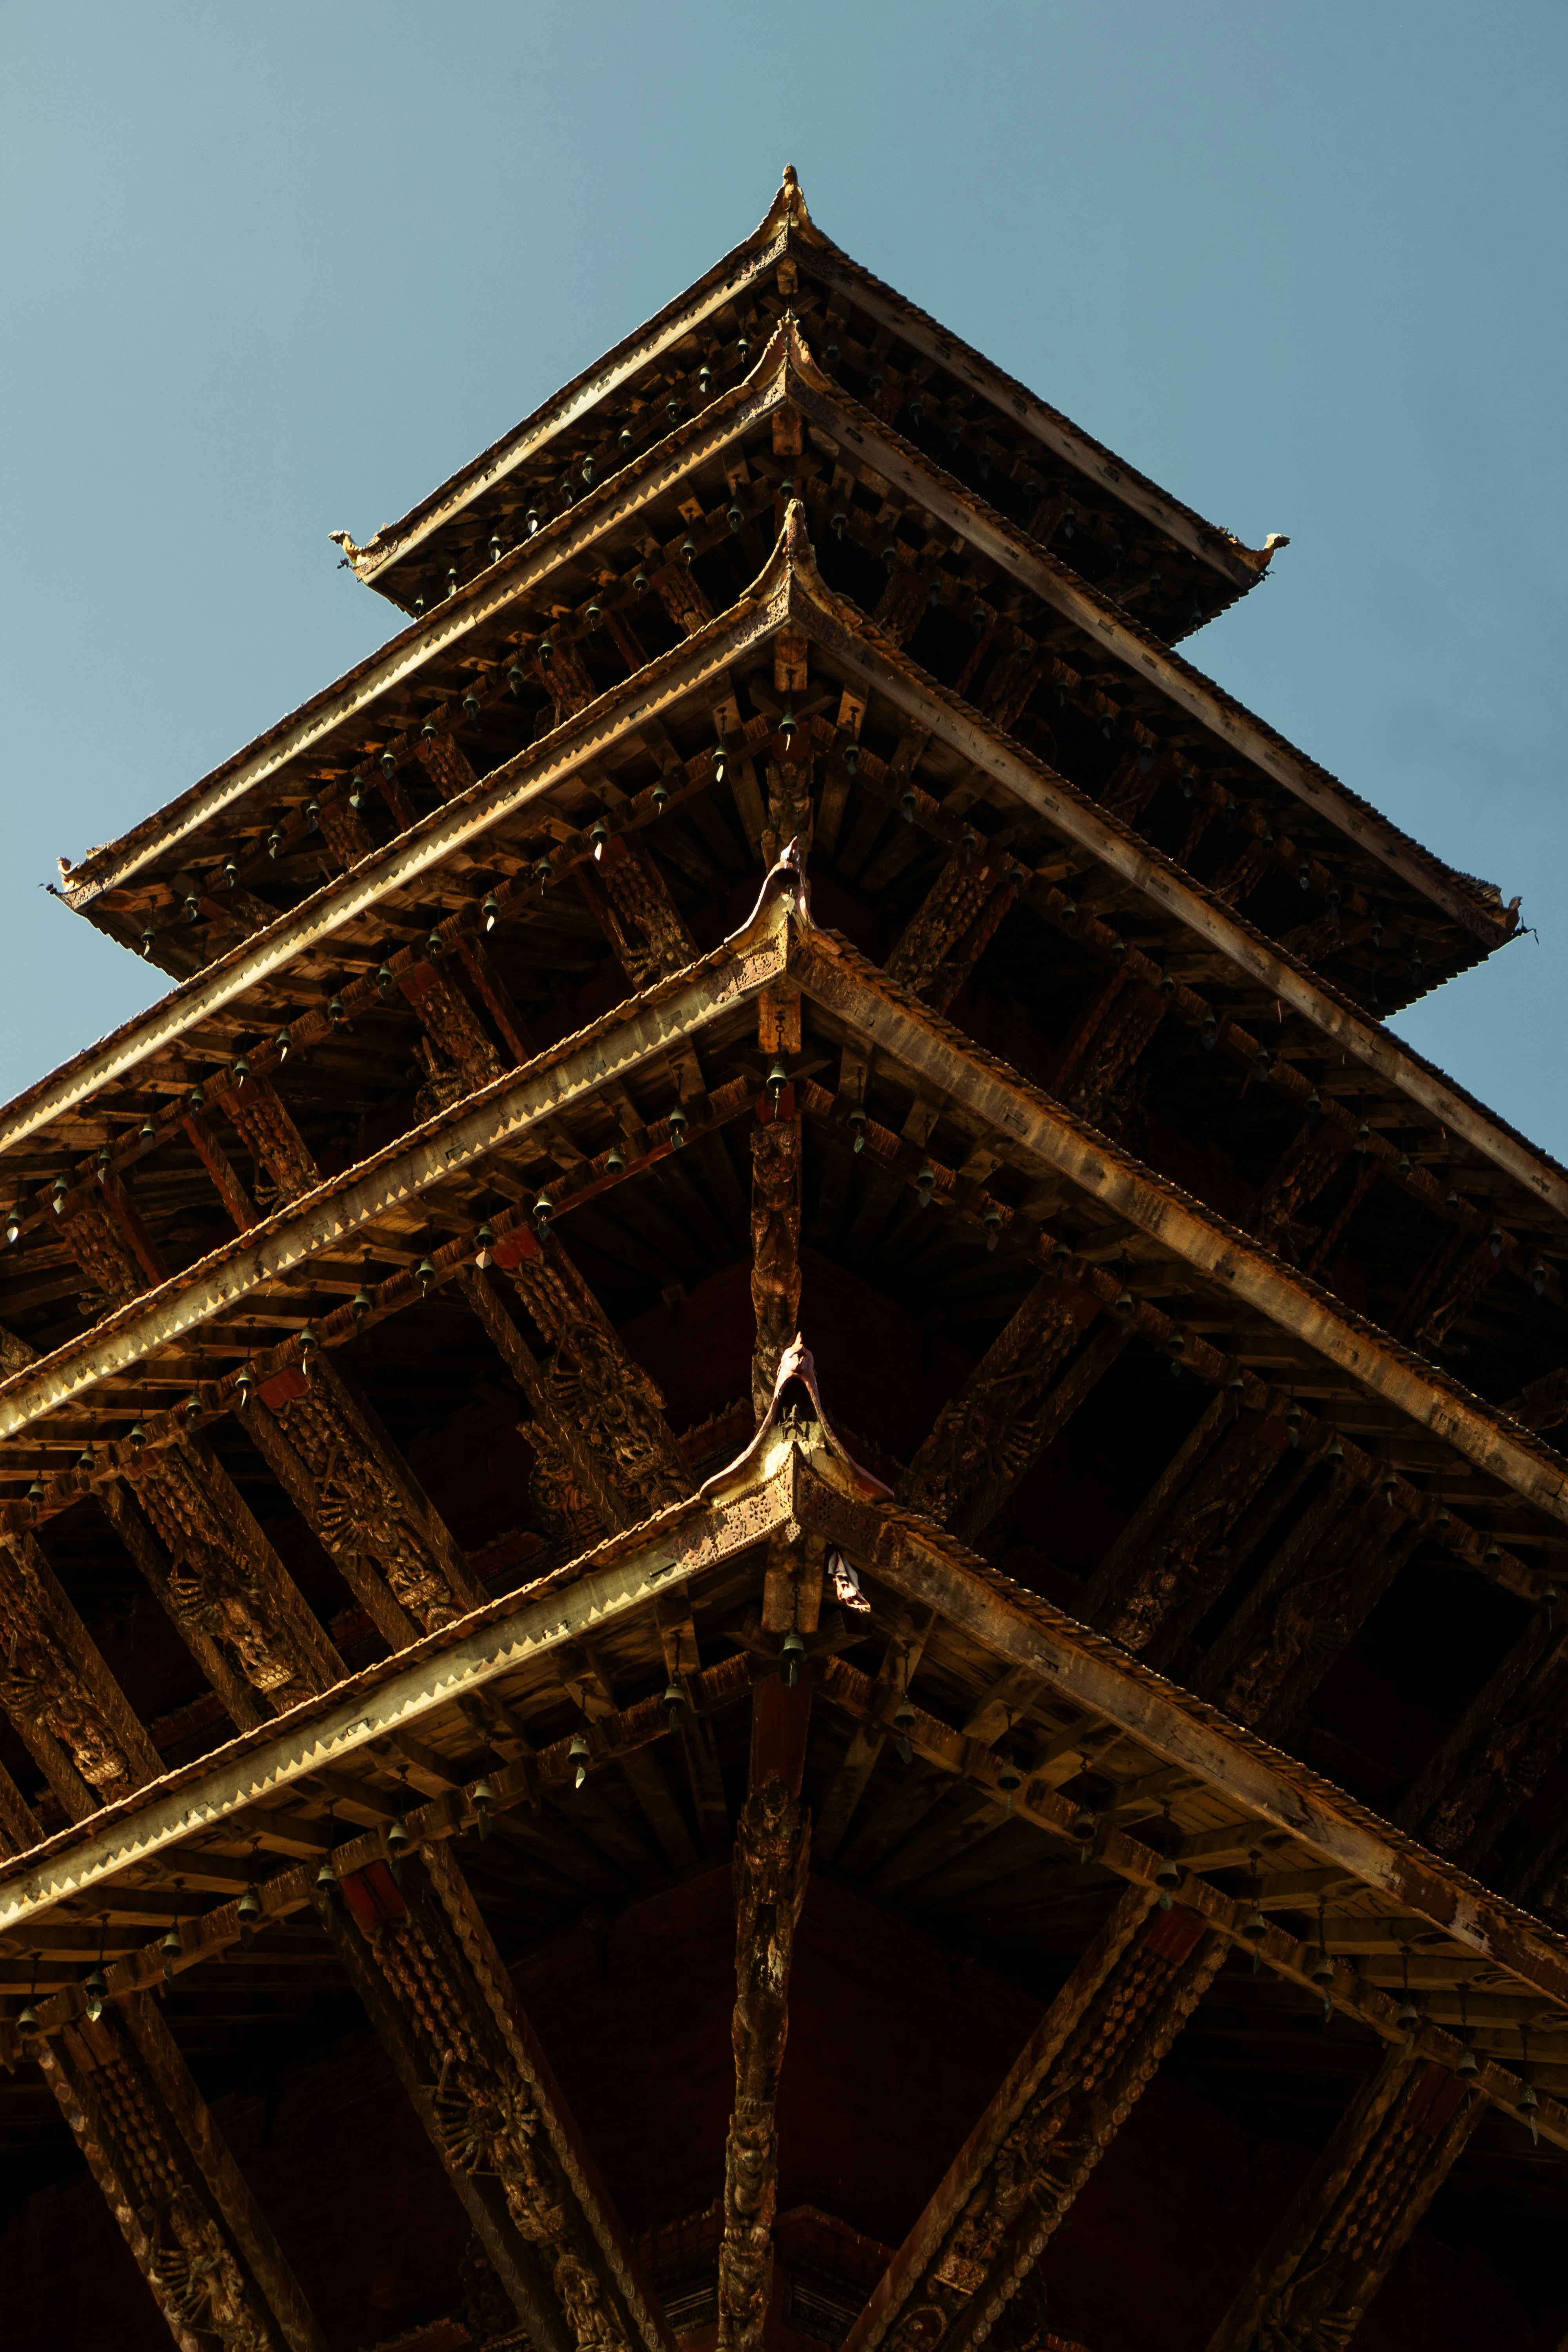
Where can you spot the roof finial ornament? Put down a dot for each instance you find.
(797, 1365)
(791, 178)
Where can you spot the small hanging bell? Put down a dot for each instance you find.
(326, 1875)
(581, 1755)
(677, 1128)
(397, 1845)
(791, 1650)
(484, 1247)
(490, 913)
(95, 1987)
(1085, 1822)
(1009, 1776)
(778, 1079)
(904, 1715)
(481, 1796)
(171, 1947)
(614, 1161)
(425, 1270)
(1466, 2061)
(1167, 1878)
(673, 1702)
(858, 1121)
(27, 2018)
(992, 1222)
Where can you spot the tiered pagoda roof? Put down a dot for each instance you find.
(783, 880)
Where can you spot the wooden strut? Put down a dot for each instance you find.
(184, 2208)
(1387, 2160)
(985, 1439)
(75, 1721)
(773, 1854)
(1068, 2092)
(325, 1446)
(442, 2003)
(593, 1381)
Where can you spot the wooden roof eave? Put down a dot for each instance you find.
(618, 1580)
(740, 269)
(787, 225)
(516, 784)
(1034, 1132)
(850, 638)
(791, 583)
(616, 501)
(497, 1116)
(1136, 649)
(1241, 566)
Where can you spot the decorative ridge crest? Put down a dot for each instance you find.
(798, 1363)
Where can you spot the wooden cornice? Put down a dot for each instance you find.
(1273, 1800)
(1034, 1132)
(498, 1114)
(510, 583)
(788, 229)
(1135, 648)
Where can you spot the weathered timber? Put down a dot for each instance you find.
(776, 1248)
(868, 1739)
(1497, 1753)
(191, 2223)
(631, 904)
(445, 2005)
(592, 1379)
(1043, 1137)
(987, 1437)
(83, 1734)
(228, 1583)
(565, 1458)
(773, 1848)
(1012, 2183)
(328, 1450)
(1387, 2158)
(1183, 1563)
(1101, 1596)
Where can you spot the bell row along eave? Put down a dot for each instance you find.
(786, 235)
(784, 374)
(1263, 1302)
(1268, 1798)
(248, 987)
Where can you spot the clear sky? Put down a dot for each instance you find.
(269, 271)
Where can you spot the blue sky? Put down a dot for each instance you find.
(270, 271)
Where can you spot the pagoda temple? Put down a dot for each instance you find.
(781, 1554)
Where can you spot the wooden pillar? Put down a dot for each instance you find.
(775, 1200)
(772, 1851)
(183, 2205)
